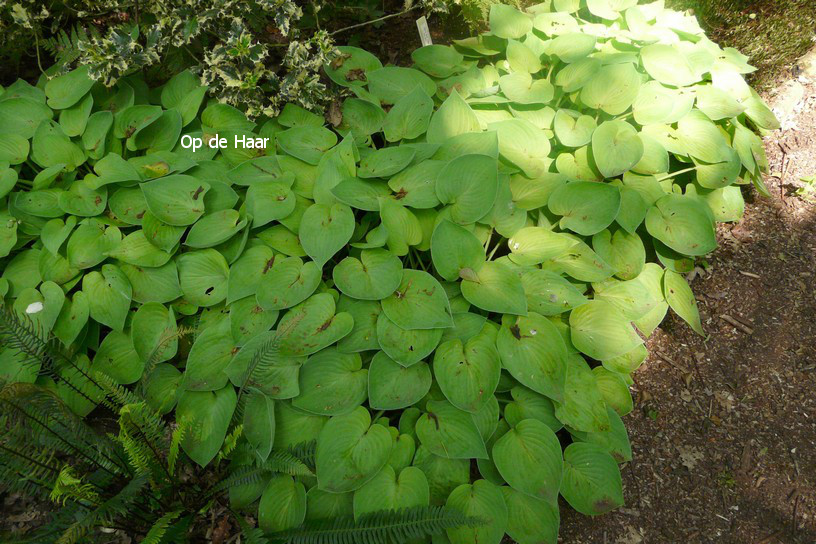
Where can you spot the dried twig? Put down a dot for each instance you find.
(744, 328)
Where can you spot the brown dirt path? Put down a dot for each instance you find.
(724, 430)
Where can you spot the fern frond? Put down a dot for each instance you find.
(305, 451)
(383, 527)
(168, 335)
(287, 463)
(230, 442)
(175, 446)
(141, 433)
(250, 534)
(158, 530)
(69, 485)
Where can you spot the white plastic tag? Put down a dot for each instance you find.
(424, 32)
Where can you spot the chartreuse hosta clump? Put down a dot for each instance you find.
(464, 269)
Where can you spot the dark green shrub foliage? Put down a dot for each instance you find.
(463, 269)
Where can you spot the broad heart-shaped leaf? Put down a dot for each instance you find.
(22, 116)
(438, 60)
(72, 318)
(495, 287)
(592, 481)
(481, 499)
(468, 184)
(66, 90)
(521, 58)
(572, 128)
(205, 416)
(586, 207)
(322, 505)
(508, 22)
(534, 245)
(420, 302)
(601, 331)
(153, 284)
(117, 358)
(332, 383)
(572, 47)
(409, 117)
(154, 333)
(583, 408)
(249, 271)
(454, 249)
(406, 346)
(521, 88)
(350, 451)
(49, 147)
(268, 202)
(209, 356)
(109, 294)
(668, 65)
(612, 89)
(312, 325)
(453, 117)
(325, 230)
(389, 491)
(283, 504)
(203, 276)
(468, 373)
(625, 252)
(616, 147)
(176, 200)
(363, 335)
(385, 162)
(528, 404)
(680, 298)
(306, 143)
(374, 276)
(391, 83)
(351, 66)
(548, 293)
(528, 457)
(402, 227)
(392, 386)
(215, 228)
(533, 351)
(450, 432)
(614, 390)
(530, 520)
(684, 223)
(288, 282)
(524, 145)
(615, 440)
(259, 364)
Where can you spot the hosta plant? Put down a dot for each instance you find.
(447, 291)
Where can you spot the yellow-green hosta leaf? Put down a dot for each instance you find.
(528, 457)
(283, 504)
(455, 249)
(373, 276)
(289, 281)
(583, 408)
(66, 90)
(409, 117)
(508, 22)
(391, 83)
(683, 223)
(681, 299)
(176, 200)
(351, 66)
(453, 117)
(530, 520)
(468, 372)
(109, 293)
(483, 500)
(419, 302)
(600, 330)
(154, 333)
(450, 432)
(524, 145)
(332, 383)
(325, 230)
(616, 147)
(406, 346)
(614, 390)
(391, 491)
(203, 276)
(527, 404)
(206, 416)
(586, 207)
(495, 287)
(592, 481)
(612, 89)
(549, 293)
(313, 325)
(468, 184)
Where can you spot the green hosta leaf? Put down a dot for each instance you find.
(572, 47)
(534, 245)
(385, 162)
(614, 389)
(287, 283)
(616, 147)
(389, 491)
(350, 451)
(363, 335)
(401, 225)
(683, 223)
(612, 89)
(438, 60)
(592, 481)
(583, 408)
(615, 440)
(274, 374)
(109, 294)
(154, 333)
(325, 230)
(681, 299)
(483, 500)
(601, 331)
(351, 66)
(409, 117)
(66, 90)
(419, 302)
(49, 147)
(528, 457)
(332, 383)
(392, 386)
(530, 520)
(312, 325)
(21, 116)
(586, 207)
(203, 276)
(449, 432)
(468, 372)
(176, 200)
(283, 504)
(624, 251)
(524, 145)
(533, 352)
(528, 404)
(453, 117)
(454, 250)
(268, 202)
(117, 358)
(391, 83)
(72, 318)
(153, 284)
(520, 87)
(521, 58)
(250, 271)
(209, 356)
(508, 22)
(469, 184)
(306, 143)
(206, 416)
(668, 65)
(572, 128)
(548, 293)
(406, 346)
(495, 287)
(374, 276)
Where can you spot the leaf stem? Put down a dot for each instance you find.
(358, 25)
(674, 174)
